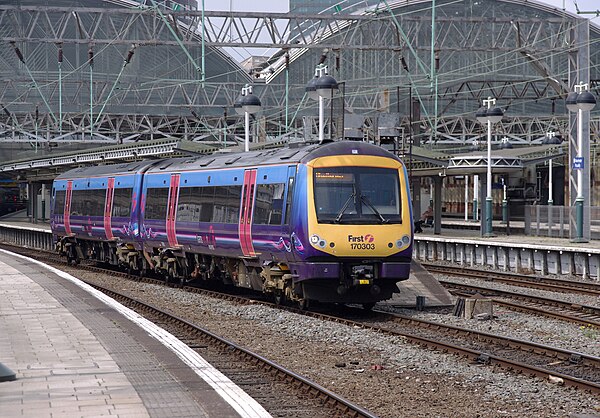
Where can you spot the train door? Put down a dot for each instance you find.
(288, 222)
(245, 223)
(172, 210)
(108, 204)
(67, 211)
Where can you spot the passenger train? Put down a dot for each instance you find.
(328, 223)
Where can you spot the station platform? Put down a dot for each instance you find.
(77, 353)
(453, 228)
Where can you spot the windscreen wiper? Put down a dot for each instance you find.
(351, 198)
(364, 199)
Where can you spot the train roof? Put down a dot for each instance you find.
(289, 155)
(107, 170)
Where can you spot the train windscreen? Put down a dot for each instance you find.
(357, 195)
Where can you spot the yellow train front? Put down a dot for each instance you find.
(352, 230)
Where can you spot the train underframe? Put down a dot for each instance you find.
(354, 284)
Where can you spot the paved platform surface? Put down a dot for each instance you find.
(76, 356)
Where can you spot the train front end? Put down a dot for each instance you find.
(357, 240)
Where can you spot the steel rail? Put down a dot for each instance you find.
(538, 282)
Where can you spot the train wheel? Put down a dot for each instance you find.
(170, 275)
(303, 304)
(279, 297)
(142, 269)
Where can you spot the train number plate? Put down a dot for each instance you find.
(362, 246)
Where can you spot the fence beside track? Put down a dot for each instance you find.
(510, 256)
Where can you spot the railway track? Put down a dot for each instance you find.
(585, 315)
(514, 279)
(569, 367)
(581, 314)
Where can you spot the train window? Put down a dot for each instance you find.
(233, 203)
(189, 204)
(288, 201)
(59, 202)
(185, 212)
(226, 204)
(207, 200)
(122, 202)
(88, 202)
(269, 204)
(156, 203)
(358, 195)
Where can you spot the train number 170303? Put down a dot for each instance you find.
(362, 246)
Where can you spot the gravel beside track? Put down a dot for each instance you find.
(384, 374)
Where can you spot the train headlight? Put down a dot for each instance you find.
(318, 241)
(403, 242)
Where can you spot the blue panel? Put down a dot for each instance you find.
(274, 174)
(160, 180)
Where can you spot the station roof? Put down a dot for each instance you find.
(431, 163)
(422, 161)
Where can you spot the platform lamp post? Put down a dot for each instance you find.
(551, 138)
(475, 147)
(247, 104)
(505, 144)
(322, 86)
(580, 100)
(491, 115)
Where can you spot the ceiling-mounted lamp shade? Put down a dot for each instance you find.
(251, 103)
(586, 101)
(326, 86)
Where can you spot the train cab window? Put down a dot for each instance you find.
(122, 202)
(156, 203)
(357, 195)
(269, 204)
(59, 202)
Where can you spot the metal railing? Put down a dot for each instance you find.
(556, 221)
